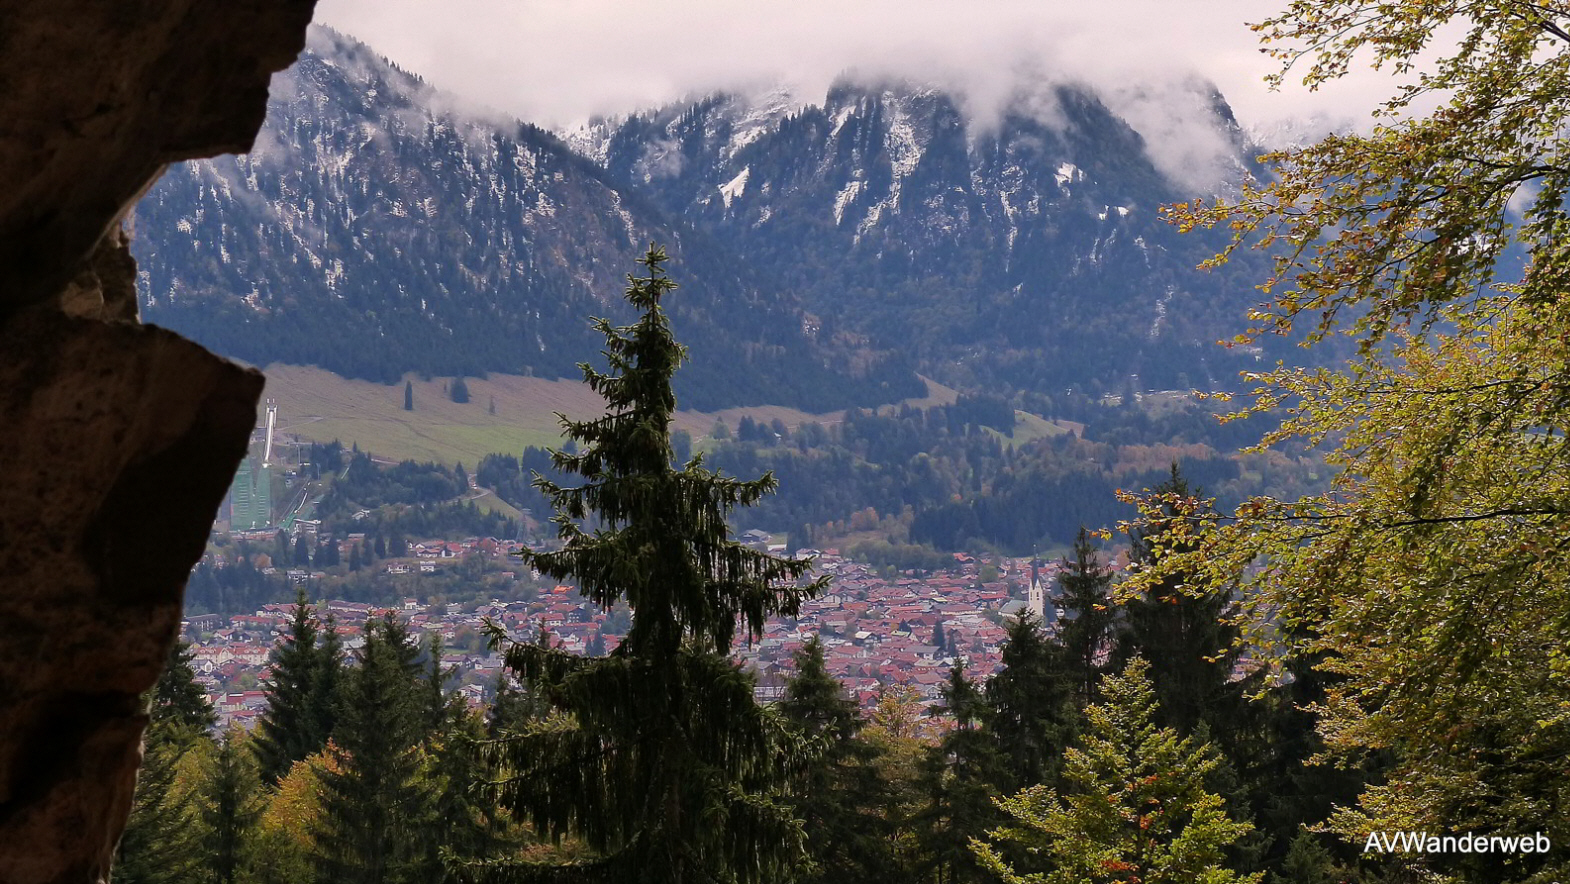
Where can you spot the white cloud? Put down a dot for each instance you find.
(557, 62)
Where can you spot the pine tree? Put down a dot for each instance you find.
(437, 705)
(1137, 809)
(1292, 792)
(513, 708)
(1184, 635)
(1032, 712)
(839, 794)
(459, 818)
(408, 395)
(469, 821)
(1307, 862)
(288, 729)
(459, 391)
(369, 831)
(958, 776)
(1086, 617)
(1182, 627)
(664, 765)
(176, 695)
(230, 807)
(322, 701)
(159, 844)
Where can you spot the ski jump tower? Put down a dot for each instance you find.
(272, 420)
(251, 495)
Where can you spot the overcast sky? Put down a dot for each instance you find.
(556, 62)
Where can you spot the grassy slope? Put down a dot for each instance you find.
(320, 406)
(1028, 428)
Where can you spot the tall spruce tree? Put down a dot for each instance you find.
(1137, 808)
(177, 698)
(230, 808)
(459, 818)
(840, 795)
(513, 708)
(438, 705)
(160, 845)
(1031, 704)
(369, 831)
(957, 776)
(664, 764)
(1182, 630)
(1086, 617)
(290, 727)
(322, 702)
(1294, 788)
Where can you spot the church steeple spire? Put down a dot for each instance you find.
(1036, 598)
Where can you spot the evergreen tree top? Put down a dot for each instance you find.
(663, 763)
(815, 700)
(177, 698)
(662, 540)
(1138, 808)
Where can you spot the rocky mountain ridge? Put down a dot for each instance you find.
(826, 250)
(375, 231)
(1026, 253)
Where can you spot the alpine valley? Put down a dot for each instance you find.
(827, 251)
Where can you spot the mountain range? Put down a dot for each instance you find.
(826, 251)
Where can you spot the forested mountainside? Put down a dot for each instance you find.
(1025, 252)
(827, 250)
(374, 231)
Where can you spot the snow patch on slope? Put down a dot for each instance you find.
(760, 115)
(735, 187)
(845, 197)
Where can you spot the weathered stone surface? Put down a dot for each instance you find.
(101, 94)
(117, 440)
(129, 436)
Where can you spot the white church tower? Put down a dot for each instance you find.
(1037, 597)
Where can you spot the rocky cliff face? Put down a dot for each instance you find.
(119, 438)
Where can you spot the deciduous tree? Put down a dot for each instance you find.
(1431, 576)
